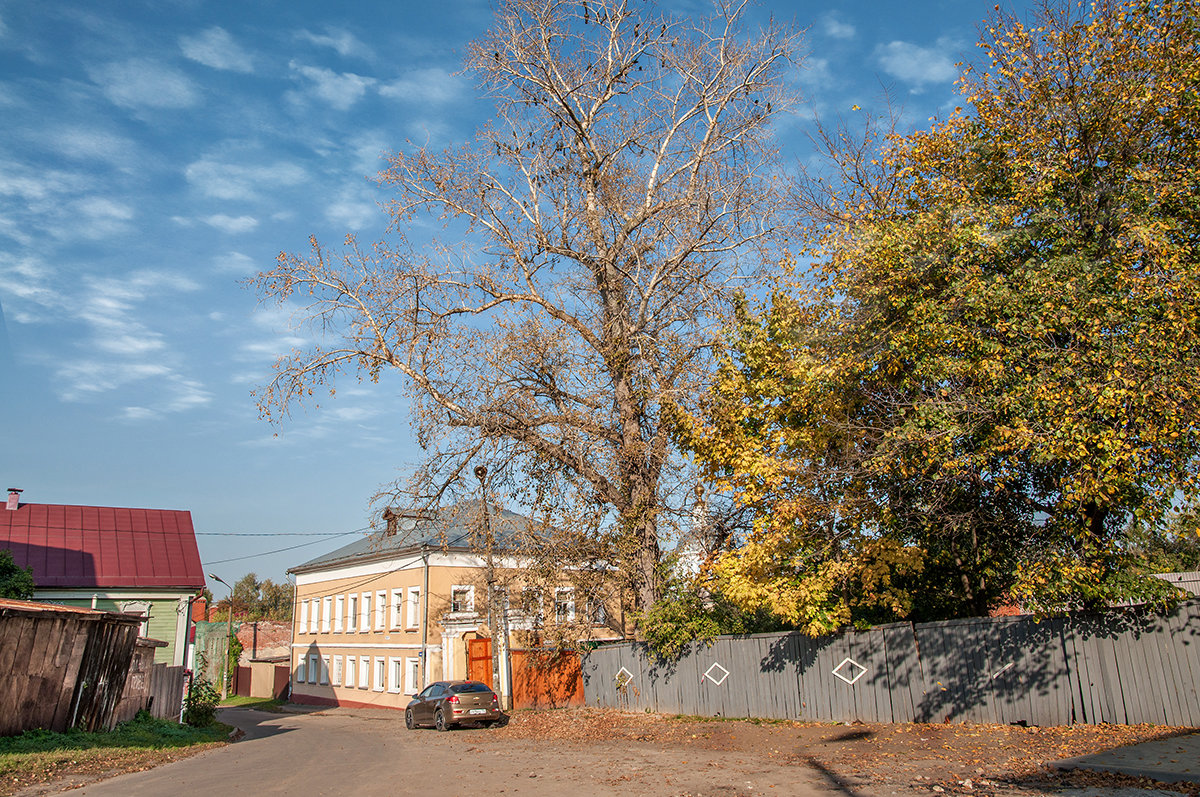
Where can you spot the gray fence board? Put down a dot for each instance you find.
(1128, 666)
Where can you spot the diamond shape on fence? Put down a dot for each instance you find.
(847, 678)
(624, 678)
(719, 677)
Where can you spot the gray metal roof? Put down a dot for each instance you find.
(454, 528)
(1188, 580)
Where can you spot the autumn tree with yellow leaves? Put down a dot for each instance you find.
(990, 372)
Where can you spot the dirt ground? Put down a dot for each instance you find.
(587, 752)
(976, 760)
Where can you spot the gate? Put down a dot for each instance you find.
(479, 660)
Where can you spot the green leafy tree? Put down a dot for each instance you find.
(15, 581)
(990, 374)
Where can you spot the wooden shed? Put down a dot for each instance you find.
(62, 666)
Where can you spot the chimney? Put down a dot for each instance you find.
(14, 499)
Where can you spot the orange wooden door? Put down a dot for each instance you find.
(479, 660)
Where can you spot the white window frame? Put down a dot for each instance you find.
(364, 672)
(303, 624)
(413, 606)
(313, 615)
(380, 609)
(314, 667)
(300, 669)
(335, 676)
(396, 609)
(352, 612)
(339, 609)
(412, 675)
(325, 670)
(380, 674)
(326, 610)
(470, 590)
(351, 664)
(395, 674)
(365, 607)
(569, 615)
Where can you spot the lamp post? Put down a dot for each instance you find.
(228, 639)
(481, 474)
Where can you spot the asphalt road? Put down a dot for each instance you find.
(358, 755)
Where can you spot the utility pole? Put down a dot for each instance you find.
(490, 542)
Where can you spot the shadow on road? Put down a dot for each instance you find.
(249, 723)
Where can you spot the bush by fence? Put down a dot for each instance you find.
(1125, 666)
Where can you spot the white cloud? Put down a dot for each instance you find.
(98, 217)
(236, 181)
(344, 42)
(339, 89)
(353, 209)
(89, 145)
(235, 263)
(139, 83)
(232, 224)
(433, 85)
(918, 65)
(834, 28)
(216, 48)
(87, 378)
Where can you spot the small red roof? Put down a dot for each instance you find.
(101, 546)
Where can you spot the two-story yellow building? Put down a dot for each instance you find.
(378, 619)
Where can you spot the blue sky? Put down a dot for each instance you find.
(154, 155)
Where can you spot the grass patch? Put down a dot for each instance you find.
(39, 756)
(260, 703)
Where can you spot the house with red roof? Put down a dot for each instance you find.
(117, 559)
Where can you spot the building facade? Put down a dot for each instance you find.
(376, 621)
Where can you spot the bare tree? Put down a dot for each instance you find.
(594, 232)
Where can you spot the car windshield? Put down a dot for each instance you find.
(472, 686)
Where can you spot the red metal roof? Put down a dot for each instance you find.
(101, 546)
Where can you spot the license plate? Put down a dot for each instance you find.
(477, 711)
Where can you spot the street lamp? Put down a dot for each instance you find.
(228, 639)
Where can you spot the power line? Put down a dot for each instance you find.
(281, 550)
(275, 533)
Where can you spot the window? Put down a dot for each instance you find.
(312, 616)
(351, 663)
(364, 672)
(531, 602)
(414, 607)
(365, 625)
(462, 599)
(335, 677)
(326, 611)
(380, 673)
(596, 612)
(412, 675)
(325, 670)
(303, 626)
(564, 605)
(313, 667)
(352, 613)
(380, 609)
(397, 607)
(339, 610)
(300, 670)
(396, 670)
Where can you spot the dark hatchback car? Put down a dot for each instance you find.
(445, 704)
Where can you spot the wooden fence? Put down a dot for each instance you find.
(1125, 666)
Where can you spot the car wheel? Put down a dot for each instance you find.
(439, 721)
(409, 721)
